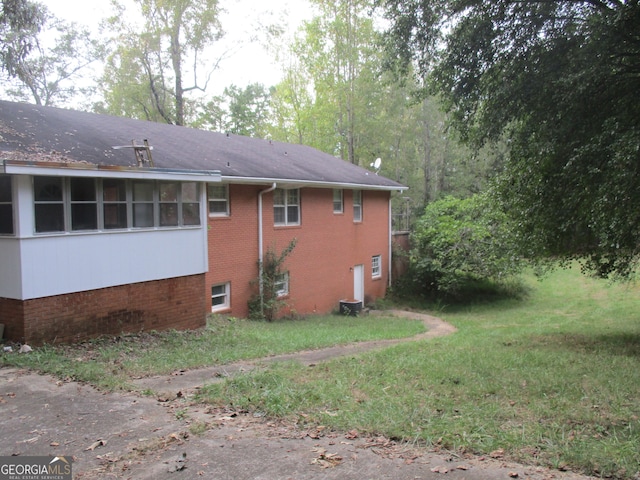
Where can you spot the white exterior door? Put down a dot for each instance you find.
(358, 282)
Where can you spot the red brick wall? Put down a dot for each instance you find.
(174, 303)
(328, 247)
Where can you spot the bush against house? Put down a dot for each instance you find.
(461, 241)
(267, 302)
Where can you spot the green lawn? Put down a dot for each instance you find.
(551, 378)
(111, 362)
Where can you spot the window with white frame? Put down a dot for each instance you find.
(220, 297)
(357, 205)
(338, 206)
(218, 200)
(286, 206)
(376, 266)
(6, 206)
(281, 285)
(80, 203)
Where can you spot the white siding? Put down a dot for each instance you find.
(66, 264)
(10, 274)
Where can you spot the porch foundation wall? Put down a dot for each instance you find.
(175, 303)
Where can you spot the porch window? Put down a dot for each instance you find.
(114, 203)
(143, 204)
(6, 206)
(286, 206)
(63, 204)
(48, 204)
(168, 204)
(190, 204)
(84, 204)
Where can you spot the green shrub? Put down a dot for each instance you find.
(457, 242)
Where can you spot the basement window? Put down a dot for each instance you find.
(220, 295)
(281, 284)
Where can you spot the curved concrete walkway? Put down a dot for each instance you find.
(184, 381)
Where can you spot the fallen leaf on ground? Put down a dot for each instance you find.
(497, 453)
(96, 444)
(440, 469)
(326, 460)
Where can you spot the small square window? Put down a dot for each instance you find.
(220, 297)
(282, 284)
(376, 266)
(218, 200)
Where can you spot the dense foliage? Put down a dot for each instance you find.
(20, 23)
(460, 241)
(560, 80)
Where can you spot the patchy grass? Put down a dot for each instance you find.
(551, 379)
(111, 362)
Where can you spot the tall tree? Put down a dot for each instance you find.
(174, 35)
(55, 70)
(560, 79)
(291, 106)
(20, 22)
(338, 52)
(248, 109)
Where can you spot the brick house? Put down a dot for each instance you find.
(110, 224)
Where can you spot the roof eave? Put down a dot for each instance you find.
(292, 183)
(103, 171)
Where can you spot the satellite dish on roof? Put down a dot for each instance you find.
(377, 164)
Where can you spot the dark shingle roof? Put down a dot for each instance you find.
(36, 133)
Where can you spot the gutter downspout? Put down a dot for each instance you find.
(390, 243)
(260, 241)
